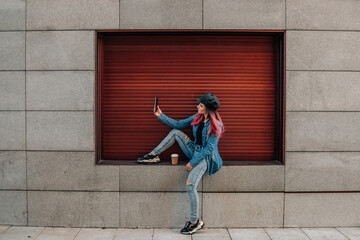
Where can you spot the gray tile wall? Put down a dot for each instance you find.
(65, 15)
(48, 175)
(322, 111)
(12, 50)
(321, 209)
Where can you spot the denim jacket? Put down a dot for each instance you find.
(209, 149)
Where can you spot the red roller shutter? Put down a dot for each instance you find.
(177, 68)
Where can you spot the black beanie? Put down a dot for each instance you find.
(210, 101)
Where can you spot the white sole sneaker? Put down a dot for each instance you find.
(154, 160)
(199, 227)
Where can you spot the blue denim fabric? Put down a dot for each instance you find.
(190, 150)
(194, 177)
(186, 145)
(209, 149)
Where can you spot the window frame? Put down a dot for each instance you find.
(280, 92)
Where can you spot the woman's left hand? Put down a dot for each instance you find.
(188, 167)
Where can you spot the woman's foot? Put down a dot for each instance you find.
(191, 228)
(148, 158)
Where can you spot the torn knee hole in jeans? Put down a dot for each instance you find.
(188, 182)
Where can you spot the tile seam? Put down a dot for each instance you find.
(285, 14)
(227, 229)
(304, 233)
(77, 233)
(284, 197)
(26, 157)
(240, 192)
(161, 29)
(202, 14)
(342, 233)
(267, 233)
(40, 233)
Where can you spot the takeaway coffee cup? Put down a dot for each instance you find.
(174, 158)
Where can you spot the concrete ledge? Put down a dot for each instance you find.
(73, 209)
(228, 179)
(150, 209)
(243, 209)
(154, 178)
(13, 207)
(246, 178)
(321, 209)
(70, 171)
(322, 171)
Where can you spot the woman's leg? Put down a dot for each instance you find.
(191, 184)
(181, 138)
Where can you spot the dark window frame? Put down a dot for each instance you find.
(280, 90)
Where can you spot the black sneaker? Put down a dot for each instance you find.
(191, 228)
(148, 158)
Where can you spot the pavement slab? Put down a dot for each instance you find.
(134, 234)
(61, 233)
(58, 233)
(166, 234)
(21, 233)
(212, 234)
(286, 234)
(96, 234)
(3, 228)
(324, 233)
(248, 234)
(352, 233)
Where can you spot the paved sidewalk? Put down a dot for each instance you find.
(51, 233)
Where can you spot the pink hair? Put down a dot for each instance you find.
(214, 125)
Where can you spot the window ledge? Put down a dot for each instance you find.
(225, 163)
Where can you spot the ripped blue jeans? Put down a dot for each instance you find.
(190, 149)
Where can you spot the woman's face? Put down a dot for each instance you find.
(201, 108)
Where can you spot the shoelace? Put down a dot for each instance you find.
(148, 156)
(193, 224)
(187, 224)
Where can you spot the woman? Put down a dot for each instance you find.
(202, 152)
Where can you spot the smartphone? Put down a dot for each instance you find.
(155, 104)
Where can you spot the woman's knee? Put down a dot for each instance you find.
(189, 187)
(175, 131)
(180, 135)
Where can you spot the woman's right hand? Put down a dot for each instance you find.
(158, 112)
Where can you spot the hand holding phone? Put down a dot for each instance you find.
(155, 104)
(157, 110)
